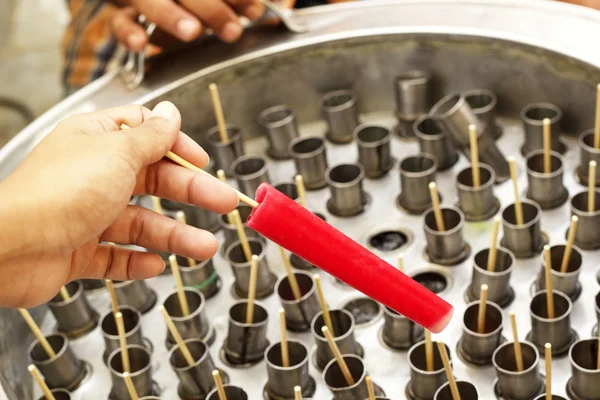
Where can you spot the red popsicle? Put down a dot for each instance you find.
(286, 223)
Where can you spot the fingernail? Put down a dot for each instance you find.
(164, 266)
(254, 12)
(164, 109)
(136, 41)
(231, 32)
(188, 29)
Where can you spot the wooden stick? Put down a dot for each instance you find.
(300, 189)
(513, 177)
(474, 155)
(237, 221)
(156, 205)
(219, 384)
(482, 308)
(324, 309)
(285, 355)
(428, 351)
(216, 100)
(291, 276)
(183, 303)
(114, 303)
(448, 369)
(401, 262)
(297, 393)
(338, 356)
(122, 342)
(130, 387)
(548, 356)
(64, 293)
(180, 216)
(592, 187)
(516, 343)
(492, 255)
(597, 125)
(437, 210)
(547, 162)
(41, 382)
(37, 333)
(177, 336)
(569, 246)
(223, 178)
(252, 289)
(549, 292)
(370, 388)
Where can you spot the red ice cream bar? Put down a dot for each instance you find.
(291, 226)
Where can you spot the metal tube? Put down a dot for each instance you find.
(280, 124)
(74, 316)
(588, 153)
(246, 343)
(412, 94)
(483, 102)
(298, 313)
(265, 280)
(282, 380)
(478, 348)
(59, 394)
(498, 281)
(587, 236)
(545, 189)
(230, 231)
(568, 282)
(447, 247)
(249, 172)
(195, 381)
(434, 141)
(136, 294)
(232, 393)
(343, 335)
(92, 284)
(398, 332)
(374, 149)
(225, 153)
(310, 157)
(423, 384)
(194, 216)
(334, 379)
(533, 116)
(416, 172)
(466, 390)
(289, 189)
(556, 331)
(346, 185)
(141, 372)
(477, 203)
(203, 276)
(526, 240)
(585, 378)
(132, 320)
(554, 397)
(64, 370)
(340, 111)
(193, 325)
(512, 384)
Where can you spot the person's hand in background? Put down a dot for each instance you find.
(586, 3)
(72, 193)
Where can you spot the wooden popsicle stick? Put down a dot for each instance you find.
(370, 388)
(122, 342)
(300, 189)
(569, 246)
(493, 253)
(516, 343)
(290, 274)
(437, 210)
(130, 387)
(548, 277)
(216, 101)
(180, 216)
(548, 356)
(285, 355)
(252, 289)
(297, 393)
(592, 187)
(156, 205)
(64, 293)
(37, 333)
(183, 303)
(513, 177)
(41, 382)
(239, 226)
(177, 336)
(401, 262)
(428, 351)
(223, 178)
(482, 308)
(324, 309)
(448, 369)
(547, 162)
(338, 356)
(114, 303)
(474, 155)
(597, 125)
(219, 384)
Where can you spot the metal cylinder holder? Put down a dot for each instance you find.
(92, 284)
(74, 316)
(423, 384)
(478, 348)
(546, 189)
(136, 294)
(336, 383)
(398, 332)
(343, 325)
(310, 157)
(340, 111)
(281, 127)
(446, 247)
(533, 116)
(195, 381)
(193, 325)
(225, 153)
(597, 308)
(587, 236)
(434, 141)
(194, 216)
(265, 279)
(298, 312)
(132, 321)
(483, 103)
(466, 390)
(554, 397)
(282, 380)
(201, 276)
(229, 230)
(249, 172)
(232, 393)
(59, 394)
(567, 282)
(245, 343)
(585, 376)
(556, 331)
(374, 149)
(289, 189)
(512, 384)
(416, 172)
(477, 203)
(525, 240)
(140, 372)
(64, 370)
(498, 280)
(346, 185)
(413, 99)
(588, 153)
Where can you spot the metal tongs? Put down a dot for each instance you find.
(133, 69)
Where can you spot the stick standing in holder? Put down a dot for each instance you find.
(177, 336)
(513, 177)
(338, 357)
(290, 273)
(297, 393)
(155, 202)
(285, 355)
(185, 309)
(491, 262)
(569, 247)
(324, 309)
(216, 100)
(549, 293)
(400, 262)
(41, 383)
(516, 343)
(482, 308)
(597, 125)
(130, 387)
(114, 303)
(64, 293)
(180, 216)
(474, 155)
(448, 369)
(237, 221)
(219, 384)
(252, 289)
(300, 189)
(122, 342)
(547, 162)
(437, 210)
(592, 187)
(37, 333)
(370, 388)
(428, 351)
(548, 356)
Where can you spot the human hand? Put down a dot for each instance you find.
(72, 192)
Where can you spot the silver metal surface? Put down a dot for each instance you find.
(340, 110)
(63, 371)
(334, 379)
(512, 384)
(557, 331)
(423, 384)
(282, 380)
(588, 153)
(232, 392)
(546, 189)
(196, 380)
(299, 313)
(564, 282)
(246, 342)
(588, 226)
(74, 315)
(265, 280)
(132, 322)
(434, 141)
(585, 382)
(196, 324)
(136, 294)
(399, 332)
(225, 153)
(466, 390)
(343, 325)
(416, 173)
(249, 172)
(525, 240)
(140, 362)
(201, 276)
(498, 280)
(412, 92)
(230, 231)
(477, 347)
(533, 116)
(348, 197)
(477, 203)
(374, 149)
(281, 127)
(483, 103)
(447, 247)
